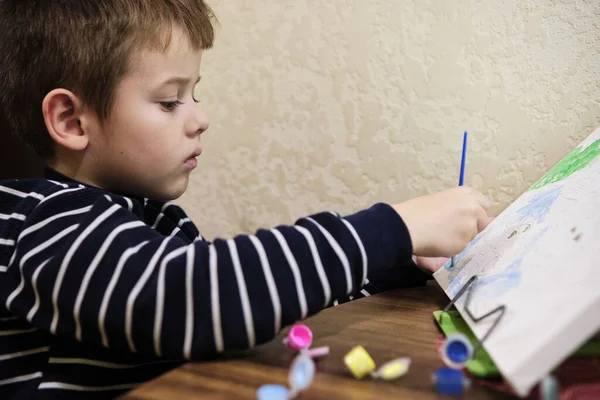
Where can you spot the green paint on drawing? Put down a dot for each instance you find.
(574, 161)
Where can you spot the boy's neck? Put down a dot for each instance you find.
(55, 174)
(72, 171)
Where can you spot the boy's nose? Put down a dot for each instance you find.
(199, 123)
(204, 123)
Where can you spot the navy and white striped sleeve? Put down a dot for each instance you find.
(98, 274)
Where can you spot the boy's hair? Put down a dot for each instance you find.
(84, 46)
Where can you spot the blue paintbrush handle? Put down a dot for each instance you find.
(461, 179)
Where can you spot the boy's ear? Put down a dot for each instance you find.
(62, 111)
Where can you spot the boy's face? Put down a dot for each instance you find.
(149, 144)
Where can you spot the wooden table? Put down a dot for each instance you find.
(389, 325)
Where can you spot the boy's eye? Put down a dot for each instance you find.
(171, 105)
(194, 91)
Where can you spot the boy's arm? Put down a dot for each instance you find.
(391, 277)
(398, 276)
(102, 276)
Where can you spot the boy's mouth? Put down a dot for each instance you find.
(191, 162)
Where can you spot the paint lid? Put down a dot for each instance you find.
(272, 392)
(300, 337)
(456, 351)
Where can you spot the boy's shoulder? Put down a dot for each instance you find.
(19, 191)
(27, 201)
(21, 197)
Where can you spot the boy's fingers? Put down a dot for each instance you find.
(483, 201)
(483, 222)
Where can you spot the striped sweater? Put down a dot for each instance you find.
(103, 292)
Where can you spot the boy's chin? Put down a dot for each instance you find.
(167, 192)
(174, 191)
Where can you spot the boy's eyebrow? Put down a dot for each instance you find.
(181, 81)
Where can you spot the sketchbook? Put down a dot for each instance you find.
(541, 259)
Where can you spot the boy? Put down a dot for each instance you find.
(104, 283)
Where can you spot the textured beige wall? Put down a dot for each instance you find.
(338, 104)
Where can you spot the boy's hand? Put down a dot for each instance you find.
(431, 264)
(443, 223)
